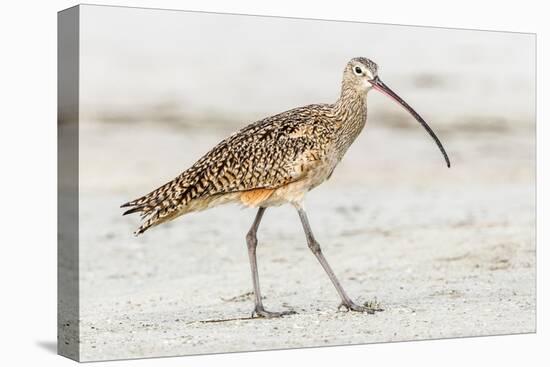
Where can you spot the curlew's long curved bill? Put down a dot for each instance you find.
(380, 86)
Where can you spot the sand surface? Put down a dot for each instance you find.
(447, 253)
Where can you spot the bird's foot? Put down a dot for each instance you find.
(262, 312)
(368, 307)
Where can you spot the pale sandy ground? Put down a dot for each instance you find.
(447, 253)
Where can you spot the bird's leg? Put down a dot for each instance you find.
(252, 242)
(313, 245)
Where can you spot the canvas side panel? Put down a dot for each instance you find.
(67, 184)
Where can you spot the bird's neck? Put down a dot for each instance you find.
(351, 112)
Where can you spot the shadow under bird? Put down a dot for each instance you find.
(276, 161)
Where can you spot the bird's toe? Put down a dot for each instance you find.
(261, 312)
(368, 307)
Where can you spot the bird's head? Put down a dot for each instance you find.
(361, 75)
(358, 74)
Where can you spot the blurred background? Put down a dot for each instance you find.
(201, 73)
(191, 68)
(159, 88)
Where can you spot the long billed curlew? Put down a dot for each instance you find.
(275, 161)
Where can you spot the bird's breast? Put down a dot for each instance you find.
(321, 171)
(295, 191)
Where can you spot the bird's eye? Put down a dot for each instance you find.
(358, 70)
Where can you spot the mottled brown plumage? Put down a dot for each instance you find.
(267, 154)
(274, 161)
